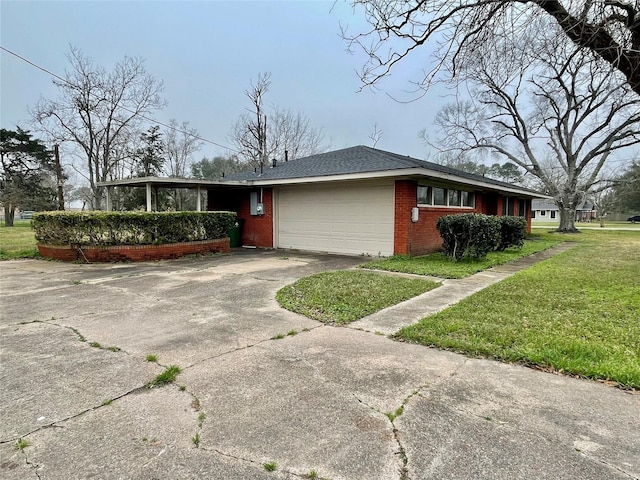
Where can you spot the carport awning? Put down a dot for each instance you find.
(150, 183)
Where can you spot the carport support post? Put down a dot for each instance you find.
(198, 199)
(148, 197)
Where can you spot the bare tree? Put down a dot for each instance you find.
(559, 118)
(455, 31)
(180, 143)
(375, 136)
(292, 132)
(260, 137)
(249, 133)
(98, 111)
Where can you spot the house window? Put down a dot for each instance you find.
(454, 198)
(445, 197)
(256, 207)
(424, 195)
(533, 214)
(507, 206)
(468, 199)
(543, 213)
(522, 207)
(553, 214)
(253, 203)
(439, 196)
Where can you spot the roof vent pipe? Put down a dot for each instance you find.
(273, 162)
(261, 168)
(286, 155)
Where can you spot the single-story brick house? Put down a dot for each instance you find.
(355, 201)
(359, 200)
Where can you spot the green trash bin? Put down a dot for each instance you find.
(235, 234)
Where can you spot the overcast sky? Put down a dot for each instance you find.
(207, 52)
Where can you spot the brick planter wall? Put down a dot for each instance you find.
(133, 253)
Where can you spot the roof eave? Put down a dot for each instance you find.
(405, 172)
(169, 182)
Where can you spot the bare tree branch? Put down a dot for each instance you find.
(560, 118)
(454, 31)
(99, 111)
(260, 137)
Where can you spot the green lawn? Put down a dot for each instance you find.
(576, 313)
(344, 296)
(17, 241)
(437, 265)
(594, 224)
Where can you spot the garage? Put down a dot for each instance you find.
(344, 217)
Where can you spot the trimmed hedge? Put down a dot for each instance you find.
(469, 234)
(129, 228)
(512, 232)
(475, 235)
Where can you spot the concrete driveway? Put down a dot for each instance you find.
(335, 402)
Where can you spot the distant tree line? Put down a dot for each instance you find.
(102, 120)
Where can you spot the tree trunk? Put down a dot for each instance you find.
(9, 214)
(567, 220)
(97, 199)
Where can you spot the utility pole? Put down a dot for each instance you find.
(59, 177)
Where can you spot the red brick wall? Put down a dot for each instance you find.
(258, 229)
(516, 208)
(133, 253)
(527, 214)
(409, 238)
(421, 237)
(405, 200)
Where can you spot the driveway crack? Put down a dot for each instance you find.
(614, 467)
(251, 345)
(252, 462)
(58, 423)
(400, 453)
(33, 466)
(78, 334)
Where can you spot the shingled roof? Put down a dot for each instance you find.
(355, 160)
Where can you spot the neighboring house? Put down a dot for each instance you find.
(357, 201)
(547, 211)
(543, 210)
(586, 212)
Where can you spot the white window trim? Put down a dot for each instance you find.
(446, 196)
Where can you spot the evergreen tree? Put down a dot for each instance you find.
(25, 174)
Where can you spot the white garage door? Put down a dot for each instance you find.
(350, 218)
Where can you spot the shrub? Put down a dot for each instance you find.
(469, 234)
(512, 232)
(129, 228)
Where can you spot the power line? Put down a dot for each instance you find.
(58, 77)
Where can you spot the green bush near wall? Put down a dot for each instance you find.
(475, 234)
(129, 228)
(512, 232)
(469, 234)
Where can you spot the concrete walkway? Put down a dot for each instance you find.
(392, 319)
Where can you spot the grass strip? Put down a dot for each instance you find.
(344, 296)
(437, 265)
(576, 313)
(18, 241)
